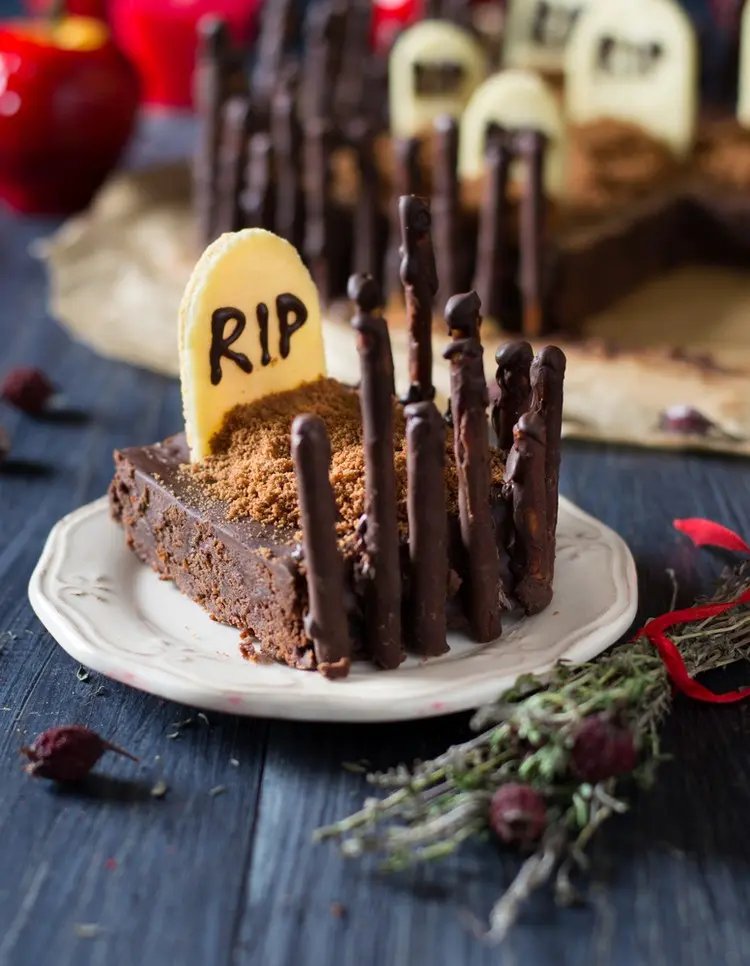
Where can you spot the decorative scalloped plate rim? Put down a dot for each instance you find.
(113, 614)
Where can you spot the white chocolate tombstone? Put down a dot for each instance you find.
(433, 69)
(635, 61)
(250, 325)
(537, 31)
(743, 95)
(513, 99)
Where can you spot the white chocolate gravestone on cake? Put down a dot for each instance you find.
(434, 68)
(635, 61)
(536, 32)
(250, 324)
(513, 99)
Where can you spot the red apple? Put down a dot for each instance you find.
(75, 8)
(160, 37)
(68, 102)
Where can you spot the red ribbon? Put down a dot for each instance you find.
(702, 533)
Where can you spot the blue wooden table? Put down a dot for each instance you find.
(110, 875)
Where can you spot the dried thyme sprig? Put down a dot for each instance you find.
(548, 761)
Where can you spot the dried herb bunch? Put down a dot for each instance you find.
(545, 768)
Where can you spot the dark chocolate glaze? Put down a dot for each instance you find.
(513, 363)
(326, 621)
(419, 278)
(526, 486)
(547, 378)
(220, 343)
(490, 277)
(531, 144)
(381, 573)
(277, 25)
(428, 536)
(469, 401)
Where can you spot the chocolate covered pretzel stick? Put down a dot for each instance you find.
(211, 92)
(232, 161)
(445, 204)
(526, 487)
(326, 623)
(513, 362)
(318, 139)
(547, 378)
(257, 199)
(469, 401)
(286, 137)
(428, 539)
(492, 242)
(274, 38)
(531, 146)
(407, 178)
(382, 567)
(366, 208)
(419, 278)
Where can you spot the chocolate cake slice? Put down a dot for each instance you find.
(227, 530)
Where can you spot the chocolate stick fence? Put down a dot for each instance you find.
(428, 540)
(383, 572)
(326, 623)
(366, 211)
(420, 282)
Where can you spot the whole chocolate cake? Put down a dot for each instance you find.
(331, 522)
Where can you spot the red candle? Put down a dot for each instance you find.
(160, 38)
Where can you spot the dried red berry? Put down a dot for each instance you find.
(602, 749)
(67, 753)
(27, 389)
(518, 814)
(685, 421)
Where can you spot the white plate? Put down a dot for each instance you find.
(113, 614)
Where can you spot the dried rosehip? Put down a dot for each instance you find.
(602, 749)
(685, 421)
(67, 753)
(518, 814)
(28, 390)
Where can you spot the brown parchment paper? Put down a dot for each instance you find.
(117, 274)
